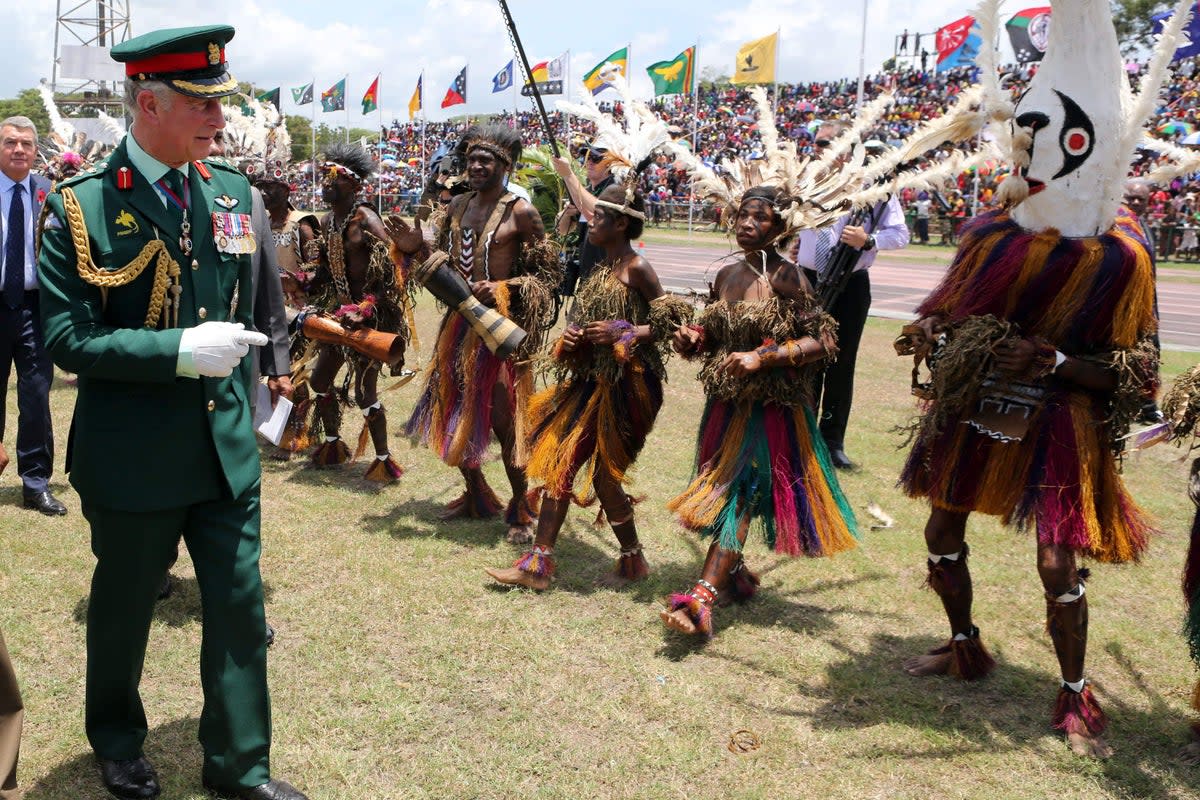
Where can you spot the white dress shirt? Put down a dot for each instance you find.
(890, 232)
(27, 198)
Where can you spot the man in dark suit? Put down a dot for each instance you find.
(21, 198)
(146, 268)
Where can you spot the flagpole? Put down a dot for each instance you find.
(379, 146)
(567, 116)
(695, 132)
(775, 74)
(312, 105)
(862, 59)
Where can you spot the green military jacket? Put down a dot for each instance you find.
(141, 438)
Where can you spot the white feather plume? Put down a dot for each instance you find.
(115, 128)
(64, 129)
(641, 133)
(1144, 103)
(1182, 161)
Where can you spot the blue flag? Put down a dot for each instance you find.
(1192, 30)
(503, 79)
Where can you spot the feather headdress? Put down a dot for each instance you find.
(629, 143)
(257, 141)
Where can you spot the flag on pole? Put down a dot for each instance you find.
(1028, 31)
(370, 100)
(547, 77)
(1192, 47)
(503, 79)
(674, 76)
(457, 93)
(755, 62)
(270, 96)
(599, 77)
(334, 98)
(302, 96)
(958, 44)
(414, 102)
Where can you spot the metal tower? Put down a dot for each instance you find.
(88, 23)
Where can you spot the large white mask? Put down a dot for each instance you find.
(1074, 106)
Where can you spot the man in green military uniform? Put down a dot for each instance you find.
(145, 274)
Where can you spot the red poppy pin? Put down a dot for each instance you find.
(41, 196)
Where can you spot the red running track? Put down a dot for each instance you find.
(901, 279)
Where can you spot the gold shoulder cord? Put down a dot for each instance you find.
(166, 269)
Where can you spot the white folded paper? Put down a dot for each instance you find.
(269, 422)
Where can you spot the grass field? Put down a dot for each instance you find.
(401, 672)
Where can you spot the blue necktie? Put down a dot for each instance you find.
(14, 251)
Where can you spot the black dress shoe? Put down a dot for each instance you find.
(840, 459)
(167, 587)
(45, 503)
(271, 790)
(133, 778)
(270, 635)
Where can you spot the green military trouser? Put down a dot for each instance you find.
(133, 551)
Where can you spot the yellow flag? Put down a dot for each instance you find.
(414, 102)
(756, 61)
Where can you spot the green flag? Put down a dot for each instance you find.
(674, 76)
(599, 77)
(334, 98)
(270, 96)
(303, 95)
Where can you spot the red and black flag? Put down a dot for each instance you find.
(457, 93)
(1028, 31)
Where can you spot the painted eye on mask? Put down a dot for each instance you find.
(1077, 137)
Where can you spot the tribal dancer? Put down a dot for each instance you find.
(1040, 339)
(1181, 405)
(359, 285)
(586, 430)
(759, 454)
(496, 240)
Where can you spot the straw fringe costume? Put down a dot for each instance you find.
(1181, 406)
(1089, 297)
(453, 415)
(759, 453)
(383, 304)
(604, 403)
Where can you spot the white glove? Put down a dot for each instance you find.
(215, 348)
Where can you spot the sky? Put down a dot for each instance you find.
(290, 43)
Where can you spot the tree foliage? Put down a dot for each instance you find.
(1131, 18)
(28, 103)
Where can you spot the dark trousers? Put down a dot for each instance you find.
(21, 344)
(132, 552)
(835, 386)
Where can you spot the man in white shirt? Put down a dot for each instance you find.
(882, 228)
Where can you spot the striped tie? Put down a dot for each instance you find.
(823, 249)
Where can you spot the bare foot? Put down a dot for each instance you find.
(1189, 754)
(512, 576)
(519, 534)
(678, 620)
(935, 663)
(1088, 745)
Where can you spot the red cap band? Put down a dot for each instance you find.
(171, 62)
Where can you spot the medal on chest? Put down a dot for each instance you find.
(233, 233)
